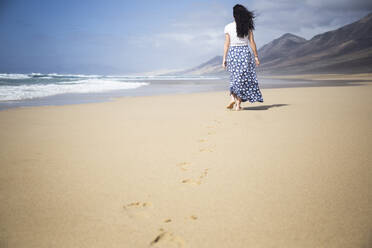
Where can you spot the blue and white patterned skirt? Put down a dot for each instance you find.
(243, 80)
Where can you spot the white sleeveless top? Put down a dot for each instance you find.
(234, 39)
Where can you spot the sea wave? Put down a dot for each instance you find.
(13, 76)
(57, 75)
(168, 78)
(36, 75)
(46, 75)
(91, 85)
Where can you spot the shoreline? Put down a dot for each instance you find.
(165, 87)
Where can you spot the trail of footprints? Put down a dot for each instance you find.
(164, 238)
(137, 209)
(167, 238)
(185, 166)
(196, 181)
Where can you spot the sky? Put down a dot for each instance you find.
(122, 37)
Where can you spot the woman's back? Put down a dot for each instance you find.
(234, 39)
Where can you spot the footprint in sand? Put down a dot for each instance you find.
(137, 208)
(204, 174)
(191, 181)
(205, 150)
(193, 217)
(167, 239)
(197, 181)
(183, 165)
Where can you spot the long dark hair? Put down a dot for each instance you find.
(244, 20)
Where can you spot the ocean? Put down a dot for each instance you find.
(36, 89)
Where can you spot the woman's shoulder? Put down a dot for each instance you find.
(229, 26)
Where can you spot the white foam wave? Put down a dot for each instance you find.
(21, 92)
(13, 76)
(36, 74)
(77, 76)
(176, 78)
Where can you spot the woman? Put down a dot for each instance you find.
(238, 59)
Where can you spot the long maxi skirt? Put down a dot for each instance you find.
(243, 80)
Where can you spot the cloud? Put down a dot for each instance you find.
(356, 5)
(197, 34)
(305, 18)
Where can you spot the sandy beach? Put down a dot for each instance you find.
(183, 171)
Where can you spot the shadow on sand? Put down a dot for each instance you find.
(264, 107)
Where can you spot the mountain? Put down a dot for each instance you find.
(280, 47)
(345, 50)
(211, 67)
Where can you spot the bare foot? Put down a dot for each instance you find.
(231, 105)
(238, 108)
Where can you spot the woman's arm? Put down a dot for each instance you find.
(226, 48)
(253, 46)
